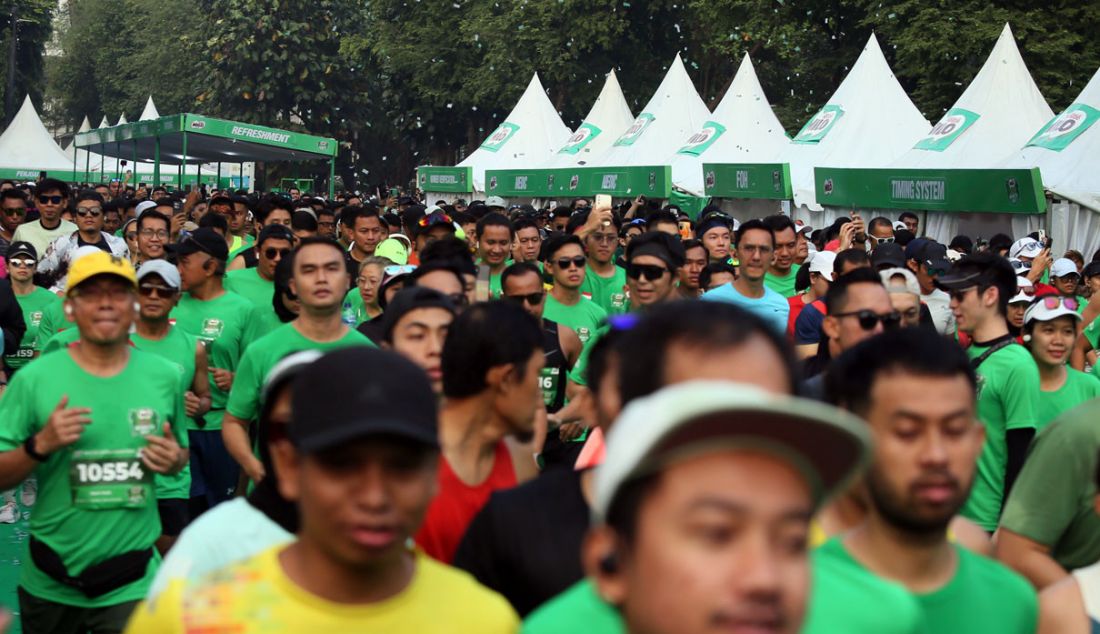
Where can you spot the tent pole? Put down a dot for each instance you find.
(101, 167)
(133, 166)
(183, 164)
(241, 173)
(87, 164)
(118, 163)
(156, 163)
(332, 178)
(75, 150)
(218, 178)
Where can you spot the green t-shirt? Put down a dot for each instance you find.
(1008, 398)
(585, 317)
(248, 284)
(578, 609)
(354, 310)
(95, 497)
(1078, 388)
(53, 322)
(240, 244)
(1092, 333)
(178, 348)
(34, 307)
(226, 325)
(848, 598)
(264, 353)
(609, 293)
(984, 597)
(1052, 500)
(60, 340)
(783, 285)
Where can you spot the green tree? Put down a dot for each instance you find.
(29, 21)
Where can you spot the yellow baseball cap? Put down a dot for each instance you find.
(99, 263)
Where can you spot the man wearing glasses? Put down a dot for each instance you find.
(880, 232)
(34, 301)
(52, 198)
(980, 287)
(565, 263)
(89, 232)
(604, 281)
(927, 259)
(257, 285)
(13, 211)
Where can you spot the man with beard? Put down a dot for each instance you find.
(923, 464)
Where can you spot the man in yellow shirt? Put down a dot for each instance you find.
(360, 461)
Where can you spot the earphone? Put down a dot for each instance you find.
(609, 563)
(1027, 338)
(137, 307)
(68, 310)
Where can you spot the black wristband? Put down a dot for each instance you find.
(28, 446)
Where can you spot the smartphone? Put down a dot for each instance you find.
(394, 192)
(603, 200)
(481, 291)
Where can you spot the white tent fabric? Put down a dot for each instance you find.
(742, 129)
(999, 111)
(104, 123)
(27, 145)
(1066, 151)
(529, 135)
(85, 125)
(150, 111)
(868, 122)
(668, 119)
(605, 123)
(122, 119)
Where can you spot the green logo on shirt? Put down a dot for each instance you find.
(143, 421)
(36, 318)
(211, 328)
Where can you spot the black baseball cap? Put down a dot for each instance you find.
(928, 252)
(888, 255)
(22, 248)
(220, 199)
(357, 392)
(409, 299)
(1091, 269)
(275, 232)
(203, 240)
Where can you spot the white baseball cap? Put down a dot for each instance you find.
(900, 226)
(1025, 247)
(167, 272)
(496, 201)
(143, 206)
(909, 286)
(1022, 284)
(1051, 307)
(1063, 267)
(822, 262)
(826, 445)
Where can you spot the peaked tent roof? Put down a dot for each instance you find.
(122, 119)
(529, 135)
(26, 144)
(606, 121)
(85, 125)
(1065, 150)
(150, 111)
(868, 122)
(742, 129)
(671, 115)
(997, 113)
(104, 124)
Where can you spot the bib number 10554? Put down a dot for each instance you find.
(103, 479)
(90, 472)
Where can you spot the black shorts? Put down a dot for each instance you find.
(174, 516)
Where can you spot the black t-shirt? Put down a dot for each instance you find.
(525, 543)
(101, 245)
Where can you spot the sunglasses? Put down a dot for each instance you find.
(149, 290)
(131, 235)
(959, 294)
(1026, 290)
(563, 263)
(84, 212)
(18, 262)
(868, 319)
(602, 238)
(12, 212)
(886, 240)
(532, 299)
(271, 252)
(1053, 301)
(53, 200)
(651, 272)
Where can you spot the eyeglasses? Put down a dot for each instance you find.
(52, 200)
(148, 290)
(868, 319)
(131, 235)
(20, 262)
(936, 272)
(271, 252)
(99, 293)
(563, 263)
(1026, 290)
(157, 233)
(12, 212)
(959, 294)
(532, 299)
(1053, 301)
(651, 272)
(603, 238)
(94, 212)
(886, 240)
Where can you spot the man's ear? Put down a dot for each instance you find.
(831, 327)
(603, 558)
(287, 463)
(500, 377)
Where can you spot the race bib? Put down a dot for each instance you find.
(549, 379)
(103, 479)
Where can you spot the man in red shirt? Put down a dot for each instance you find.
(491, 363)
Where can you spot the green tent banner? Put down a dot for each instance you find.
(451, 180)
(955, 190)
(582, 137)
(634, 132)
(766, 181)
(949, 128)
(653, 181)
(1063, 129)
(703, 139)
(499, 137)
(166, 177)
(819, 126)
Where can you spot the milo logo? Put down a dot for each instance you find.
(211, 328)
(143, 421)
(574, 180)
(583, 334)
(36, 318)
(618, 300)
(709, 178)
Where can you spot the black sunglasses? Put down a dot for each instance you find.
(94, 212)
(579, 262)
(148, 290)
(54, 200)
(533, 299)
(868, 319)
(271, 252)
(650, 272)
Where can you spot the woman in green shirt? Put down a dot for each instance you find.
(1050, 329)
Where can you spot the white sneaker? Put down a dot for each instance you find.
(30, 491)
(9, 514)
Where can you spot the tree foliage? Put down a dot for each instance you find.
(32, 21)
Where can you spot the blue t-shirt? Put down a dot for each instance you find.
(807, 328)
(772, 307)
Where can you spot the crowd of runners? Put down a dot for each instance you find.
(232, 412)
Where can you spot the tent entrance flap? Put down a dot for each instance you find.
(1018, 191)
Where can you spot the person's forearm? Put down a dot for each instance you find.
(235, 437)
(1018, 553)
(15, 466)
(1017, 441)
(1077, 355)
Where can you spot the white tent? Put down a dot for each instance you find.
(742, 129)
(868, 122)
(606, 122)
(104, 123)
(1065, 151)
(26, 145)
(529, 135)
(122, 119)
(85, 125)
(150, 111)
(668, 119)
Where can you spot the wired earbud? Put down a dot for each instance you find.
(609, 563)
(1027, 338)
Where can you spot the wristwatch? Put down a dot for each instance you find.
(29, 447)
